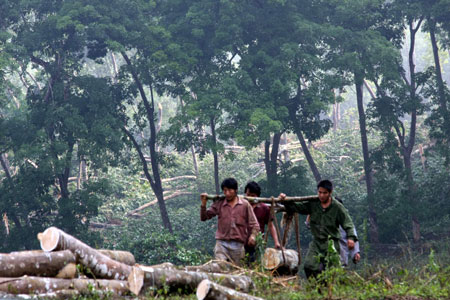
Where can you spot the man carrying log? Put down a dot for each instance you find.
(327, 215)
(262, 213)
(237, 223)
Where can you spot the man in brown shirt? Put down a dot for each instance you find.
(235, 219)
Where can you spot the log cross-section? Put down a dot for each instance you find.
(101, 265)
(275, 261)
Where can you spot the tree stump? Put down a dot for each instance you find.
(273, 260)
(101, 265)
(208, 290)
(34, 263)
(144, 277)
(44, 285)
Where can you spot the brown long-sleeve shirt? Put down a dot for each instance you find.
(234, 222)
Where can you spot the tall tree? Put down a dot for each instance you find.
(360, 41)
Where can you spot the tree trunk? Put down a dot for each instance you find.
(5, 165)
(210, 267)
(359, 83)
(101, 265)
(143, 277)
(440, 81)
(274, 260)
(35, 285)
(34, 263)
(216, 158)
(271, 160)
(208, 290)
(309, 158)
(155, 183)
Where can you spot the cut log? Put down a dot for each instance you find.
(101, 265)
(208, 290)
(38, 285)
(118, 255)
(143, 277)
(34, 263)
(124, 257)
(209, 267)
(69, 271)
(273, 260)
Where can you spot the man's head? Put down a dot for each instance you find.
(229, 187)
(324, 190)
(252, 189)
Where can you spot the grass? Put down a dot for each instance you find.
(413, 273)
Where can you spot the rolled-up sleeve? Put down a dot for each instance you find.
(303, 208)
(212, 211)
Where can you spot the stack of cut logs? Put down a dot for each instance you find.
(56, 271)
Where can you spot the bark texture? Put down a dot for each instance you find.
(208, 290)
(35, 263)
(36, 285)
(143, 277)
(101, 265)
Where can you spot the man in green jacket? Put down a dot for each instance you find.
(326, 217)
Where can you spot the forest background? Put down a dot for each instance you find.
(115, 115)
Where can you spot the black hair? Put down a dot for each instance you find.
(326, 184)
(253, 188)
(230, 183)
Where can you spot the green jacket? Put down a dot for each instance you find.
(325, 222)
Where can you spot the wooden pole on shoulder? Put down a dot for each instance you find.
(268, 200)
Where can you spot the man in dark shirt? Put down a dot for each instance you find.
(326, 217)
(237, 223)
(262, 213)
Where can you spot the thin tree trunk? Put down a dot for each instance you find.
(156, 182)
(5, 165)
(359, 82)
(308, 156)
(271, 160)
(216, 158)
(440, 81)
(412, 136)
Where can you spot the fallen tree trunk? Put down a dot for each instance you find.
(38, 285)
(209, 267)
(34, 263)
(273, 260)
(124, 257)
(118, 255)
(101, 265)
(148, 277)
(208, 290)
(151, 203)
